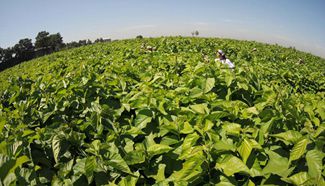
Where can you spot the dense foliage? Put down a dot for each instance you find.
(161, 111)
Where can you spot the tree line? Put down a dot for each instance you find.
(45, 43)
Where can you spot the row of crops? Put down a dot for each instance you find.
(160, 111)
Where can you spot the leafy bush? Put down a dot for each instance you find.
(118, 114)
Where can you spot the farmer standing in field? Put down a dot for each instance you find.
(222, 58)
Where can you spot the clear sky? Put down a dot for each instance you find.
(298, 23)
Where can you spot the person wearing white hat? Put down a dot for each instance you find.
(222, 58)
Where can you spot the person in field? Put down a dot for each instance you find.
(223, 59)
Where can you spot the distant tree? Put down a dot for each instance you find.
(89, 42)
(55, 41)
(196, 33)
(42, 40)
(99, 40)
(1, 54)
(82, 42)
(24, 50)
(7, 58)
(139, 37)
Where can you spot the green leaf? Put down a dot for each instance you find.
(158, 149)
(129, 180)
(314, 160)
(224, 145)
(232, 128)
(19, 161)
(297, 179)
(277, 165)
(2, 124)
(143, 118)
(56, 146)
(135, 157)
(246, 148)
(187, 128)
(215, 115)
(160, 176)
(66, 168)
(228, 79)
(161, 108)
(299, 149)
(249, 112)
(117, 162)
(290, 136)
(90, 166)
(200, 108)
(190, 170)
(190, 141)
(209, 84)
(230, 165)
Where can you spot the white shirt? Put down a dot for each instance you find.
(225, 61)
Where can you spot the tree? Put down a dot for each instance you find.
(89, 42)
(42, 40)
(139, 37)
(82, 42)
(1, 55)
(99, 40)
(24, 50)
(55, 42)
(195, 33)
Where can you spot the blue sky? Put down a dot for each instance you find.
(298, 23)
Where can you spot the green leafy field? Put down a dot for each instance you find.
(120, 114)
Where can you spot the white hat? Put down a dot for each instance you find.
(221, 52)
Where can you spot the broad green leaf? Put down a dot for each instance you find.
(79, 167)
(228, 79)
(90, 167)
(143, 118)
(297, 179)
(56, 146)
(314, 160)
(249, 112)
(135, 157)
(187, 128)
(18, 162)
(66, 168)
(160, 176)
(129, 180)
(190, 170)
(190, 141)
(232, 128)
(277, 165)
(200, 108)
(158, 149)
(224, 145)
(319, 130)
(215, 115)
(298, 149)
(290, 136)
(246, 148)
(161, 108)
(116, 161)
(134, 131)
(230, 165)
(209, 84)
